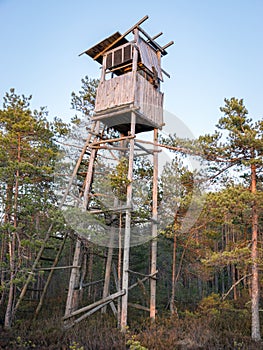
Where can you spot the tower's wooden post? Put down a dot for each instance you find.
(89, 176)
(72, 302)
(154, 222)
(126, 248)
(106, 287)
(154, 230)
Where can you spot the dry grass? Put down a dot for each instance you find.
(191, 331)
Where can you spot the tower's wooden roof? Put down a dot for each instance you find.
(117, 39)
(103, 45)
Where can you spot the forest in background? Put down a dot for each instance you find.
(209, 277)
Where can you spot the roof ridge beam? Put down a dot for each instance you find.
(122, 36)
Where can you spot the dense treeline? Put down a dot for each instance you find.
(209, 269)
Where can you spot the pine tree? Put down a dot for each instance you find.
(28, 154)
(238, 149)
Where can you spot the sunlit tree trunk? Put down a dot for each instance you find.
(255, 326)
(172, 304)
(10, 303)
(12, 248)
(5, 237)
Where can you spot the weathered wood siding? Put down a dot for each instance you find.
(115, 92)
(120, 91)
(149, 99)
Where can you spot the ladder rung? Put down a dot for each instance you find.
(117, 209)
(46, 259)
(34, 290)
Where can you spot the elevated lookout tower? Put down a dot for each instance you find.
(130, 80)
(128, 100)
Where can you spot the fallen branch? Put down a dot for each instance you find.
(234, 285)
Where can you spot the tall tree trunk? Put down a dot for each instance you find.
(10, 309)
(172, 304)
(2, 270)
(10, 302)
(222, 281)
(216, 282)
(255, 325)
(90, 270)
(5, 239)
(9, 314)
(233, 271)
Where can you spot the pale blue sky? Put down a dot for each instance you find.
(218, 51)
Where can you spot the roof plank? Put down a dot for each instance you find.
(122, 36)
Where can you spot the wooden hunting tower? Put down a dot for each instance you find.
(130, 80)
(128, 100)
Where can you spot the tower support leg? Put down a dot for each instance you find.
(154, 230)
(126, 247)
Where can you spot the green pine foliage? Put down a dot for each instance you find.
(28, 155)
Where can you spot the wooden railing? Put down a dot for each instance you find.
(149, 99)
(115, 92)
(124, 90)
